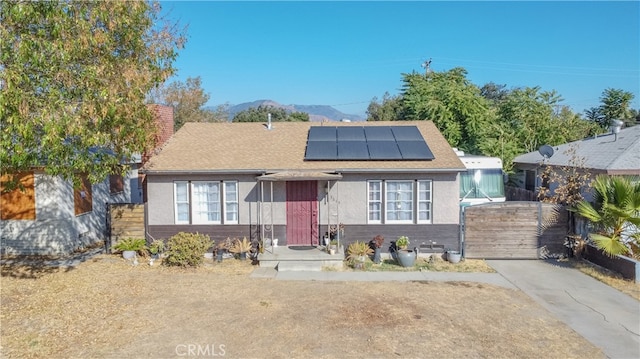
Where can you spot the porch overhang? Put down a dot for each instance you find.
(300, 176)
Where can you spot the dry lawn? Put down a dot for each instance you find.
(109, 308)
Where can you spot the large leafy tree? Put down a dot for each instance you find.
(188, 100)
(527, 118)
(74, 79)
(261, 114)
(388, 110)
(452, 102)
(615, 215)
(615, 105)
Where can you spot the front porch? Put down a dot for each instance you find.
(311, 258)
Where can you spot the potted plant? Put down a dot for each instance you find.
(402, 242)
(241, 247)
(222, 247)
(376, 246)
(333, 246)
(453, 256)
(156, 248)
(406, 257)
(358, 253)
(130, 246)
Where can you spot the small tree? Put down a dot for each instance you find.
(569, 181)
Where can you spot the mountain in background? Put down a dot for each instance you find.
(317, 113)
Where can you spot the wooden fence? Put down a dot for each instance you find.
(514, 230)
(125, 220)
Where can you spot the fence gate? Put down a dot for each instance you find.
(125, 220)
(514, 230)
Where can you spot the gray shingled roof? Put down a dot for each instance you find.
(234, 147)
(603, 153)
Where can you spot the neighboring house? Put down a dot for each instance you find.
(51, 217)
(608, 154)
(294, 180)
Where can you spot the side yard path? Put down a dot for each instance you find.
(603, 315)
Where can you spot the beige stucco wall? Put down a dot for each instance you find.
(345, 202)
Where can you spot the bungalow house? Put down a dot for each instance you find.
(608, 154)
(51, 217)
(296, 181)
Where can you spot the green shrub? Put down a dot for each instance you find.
(187, 249)
(131, 244)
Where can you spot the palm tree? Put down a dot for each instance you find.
(615, 215)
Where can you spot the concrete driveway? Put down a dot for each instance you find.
(605, 316)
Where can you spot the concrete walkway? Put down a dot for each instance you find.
(603, 315)
(491, 278)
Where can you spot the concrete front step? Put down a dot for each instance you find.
(290, 260)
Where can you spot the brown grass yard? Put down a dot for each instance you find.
(108, 308)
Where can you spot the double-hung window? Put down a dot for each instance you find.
(231, 202)
(204, 202)
(399, 201)
(375, 202)
(424, 201)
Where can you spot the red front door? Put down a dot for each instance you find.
(302, 213)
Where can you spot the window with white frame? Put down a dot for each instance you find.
(181, 198)
(204, 202)
(401, 201)
(231, 202)
(375, 202)
(424, 201)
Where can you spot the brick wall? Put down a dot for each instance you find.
(164, 120)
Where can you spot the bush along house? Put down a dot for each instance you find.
(296, 181)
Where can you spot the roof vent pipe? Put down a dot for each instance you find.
(616, 125)
(268, 121)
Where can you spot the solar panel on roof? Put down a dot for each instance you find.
(384, 150)
(353, 150)
(321, 133)
(415, 150)
(406, 133)
(321, 150)
(350, 134)
(326, 143)
(378, 133)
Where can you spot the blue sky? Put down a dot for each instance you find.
(344, 53)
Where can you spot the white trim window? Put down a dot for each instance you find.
(375, 201)
(206, 202)
(181, 200)
(424, 201)
(231, 202)
(205, 207)
(399, 202)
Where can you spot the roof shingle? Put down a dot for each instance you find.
(604, 153)
(245, 147)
